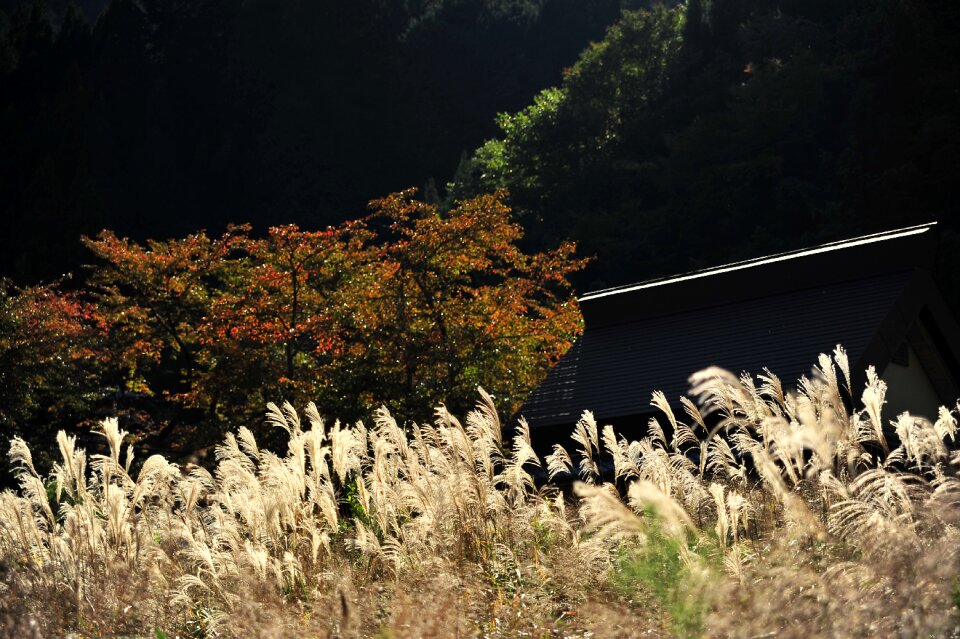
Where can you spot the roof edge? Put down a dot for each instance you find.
(840, 245)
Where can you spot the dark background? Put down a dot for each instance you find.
(771, 124)
(156, 118)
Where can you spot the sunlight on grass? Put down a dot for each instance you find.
(795, 512)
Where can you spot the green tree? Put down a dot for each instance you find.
(725, 130)
(593, 142)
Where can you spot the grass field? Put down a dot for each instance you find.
(759, 513)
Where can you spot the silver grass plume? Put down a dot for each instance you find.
(585, 434)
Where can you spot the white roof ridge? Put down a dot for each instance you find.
(761, 261)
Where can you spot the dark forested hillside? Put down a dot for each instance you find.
(728, 129)
(167, 116)
(689, 135)
(89, 8)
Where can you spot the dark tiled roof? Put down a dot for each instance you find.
(615, 367)
(779, 312)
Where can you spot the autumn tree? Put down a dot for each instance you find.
(408, 307)
(458, 305)
(275, 328)
(154, 302)
(48, 364)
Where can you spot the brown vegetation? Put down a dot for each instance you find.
(794, 516)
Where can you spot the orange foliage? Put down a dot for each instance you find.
(409, 306)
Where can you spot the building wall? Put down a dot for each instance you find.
(909, 389)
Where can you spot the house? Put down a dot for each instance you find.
(873, 294)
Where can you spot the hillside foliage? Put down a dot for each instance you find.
(719, 131)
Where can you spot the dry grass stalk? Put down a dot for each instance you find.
(355, 531)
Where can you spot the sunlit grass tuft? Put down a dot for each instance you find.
(757, 511)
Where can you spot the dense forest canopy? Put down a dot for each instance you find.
(724, 130)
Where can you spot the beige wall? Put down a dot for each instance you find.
(909, 389)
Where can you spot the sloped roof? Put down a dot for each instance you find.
(777, 312)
